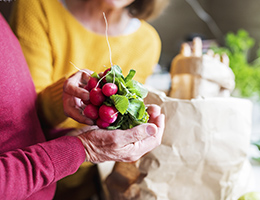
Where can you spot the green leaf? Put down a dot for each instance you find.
(128, 100)
(95, 75)
(257, 144)
(134, 121)
(137, 88)
(121, 86)
(122, 122)
(145, 118)
(247, 75)
(130, 75)
(115, 72)
(256, 159)
(121, 103)
(136, 108)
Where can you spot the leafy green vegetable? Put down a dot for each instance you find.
(128, 100)
(95, 75)
(257, 144)
(250, 196)
(136, 87)
(130, 75)
(136, 108)
(247, 74)
(121, 103)
(114, 73)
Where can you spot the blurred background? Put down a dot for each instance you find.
(212, 19)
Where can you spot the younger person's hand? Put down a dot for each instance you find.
(74, 93)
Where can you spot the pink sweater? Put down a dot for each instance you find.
(29, 166)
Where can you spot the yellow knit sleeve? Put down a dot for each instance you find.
(50, 104)
(30, 25)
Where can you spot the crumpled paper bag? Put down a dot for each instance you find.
(203, 155)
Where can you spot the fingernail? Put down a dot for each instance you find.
(85, 96)
(89, 122)
(150, 130)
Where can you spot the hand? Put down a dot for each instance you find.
(124, 145)
(78, 131)
(74, 93)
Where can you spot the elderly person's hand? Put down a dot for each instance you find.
(124, 145)
(74, 93)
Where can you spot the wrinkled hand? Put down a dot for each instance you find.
(74, 93)
(124, 145)
(78, 131)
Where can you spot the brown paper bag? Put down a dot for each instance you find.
(194, 74)
(203, 155)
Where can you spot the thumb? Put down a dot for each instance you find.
(139, 133)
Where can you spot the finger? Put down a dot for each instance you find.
(82, 130)
(140, 132)
(153, 111)
(139, 148)
(88, 128)
(76, 114)
(85, 76)
(160, 122)
(70, 87)
(71, 110)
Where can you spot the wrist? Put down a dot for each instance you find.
(83, 146)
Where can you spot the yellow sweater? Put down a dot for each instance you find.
(51, 38)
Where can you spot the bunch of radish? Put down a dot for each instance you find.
(95, 109)
(115, 101)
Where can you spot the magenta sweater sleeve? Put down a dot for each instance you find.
(28, 170)
(29, 165)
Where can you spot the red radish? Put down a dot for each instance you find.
(104, 74)
(102, 124)
(92, 83)
(108, 113)
(91, 111)
(109, 89)
(96, 96)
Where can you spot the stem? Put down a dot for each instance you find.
(102, 78)
(79, 68)
(115, 114)
(110, 54)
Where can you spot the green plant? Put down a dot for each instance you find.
(247, 75)
(257, 144)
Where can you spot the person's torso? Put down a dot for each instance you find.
(18, 118)
(72, 42)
